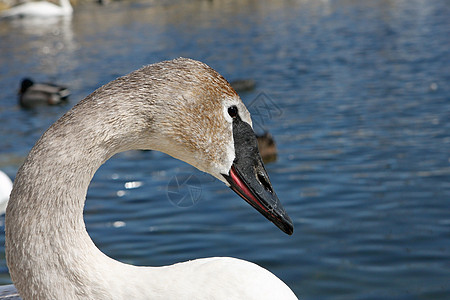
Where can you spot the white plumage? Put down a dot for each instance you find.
(38, 9)
(5, 189)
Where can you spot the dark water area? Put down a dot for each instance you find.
(355, 93)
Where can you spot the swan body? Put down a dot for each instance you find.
(32, 94)
(181, 107)
(5, 189)
(39, 9)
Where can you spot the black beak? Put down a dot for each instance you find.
(249, 179)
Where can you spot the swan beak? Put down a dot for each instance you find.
(249, 179)
(258, 192)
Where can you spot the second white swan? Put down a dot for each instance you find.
(181, 107)
(39, 9)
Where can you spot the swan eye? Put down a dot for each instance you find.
(233, 111)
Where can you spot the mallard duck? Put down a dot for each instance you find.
(31, 94)
(243, 85)
(267, 147)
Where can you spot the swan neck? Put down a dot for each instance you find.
(48, 250)
(65, 5)
(46, 211)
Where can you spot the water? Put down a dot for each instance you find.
(359, 106)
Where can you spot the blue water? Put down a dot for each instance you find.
(356, 94)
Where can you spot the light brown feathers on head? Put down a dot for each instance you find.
(177, 107)
(197, 119)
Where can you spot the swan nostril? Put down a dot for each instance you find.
(265, 182)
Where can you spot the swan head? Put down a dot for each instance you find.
(186, 109)
(201, 120)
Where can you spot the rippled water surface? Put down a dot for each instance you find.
(356, 94)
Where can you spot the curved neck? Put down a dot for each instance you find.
(66, 7)
(48, 250)
(46, 211)
(65, 4)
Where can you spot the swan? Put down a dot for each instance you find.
(181, 107)
(5, 189)
(32, 94)
(40, 9)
